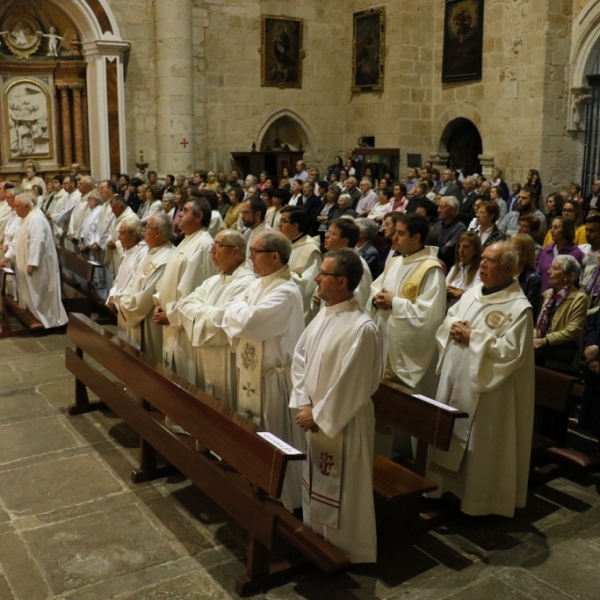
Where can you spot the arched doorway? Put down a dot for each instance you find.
(461, 140)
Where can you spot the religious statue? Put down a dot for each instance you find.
(53, 39)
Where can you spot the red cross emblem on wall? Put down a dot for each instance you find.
(184, 143)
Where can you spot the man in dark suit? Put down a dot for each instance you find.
(311, 203)
(466, 212)
(448, 187)
(367, 231)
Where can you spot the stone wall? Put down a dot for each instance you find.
(520, 106)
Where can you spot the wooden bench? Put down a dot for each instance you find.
(553, 396)
(77, 282)
(10, 306)
(398, 489)
(245, 483)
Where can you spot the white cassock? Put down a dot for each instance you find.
(337, 367)
(408, 329)
(188, 267)
(39, 292)
(77, 216)
(270, 318)
(62, 215)
(88, 231)
(11, 229)
(100, 236)
(137, 305)
(305, 262)
(493, 379)
(201, 316)
(113, 258)
(5, 211)
(216, 223)
(131, 259)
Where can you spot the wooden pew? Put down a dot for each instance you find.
(553, 396)
(77, 277)
(398, 489)
(11, 307)
(248, 480)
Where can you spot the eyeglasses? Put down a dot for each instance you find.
(324, 274)
(220, 245)
(284, 221)
(253, 250)
(148, 227)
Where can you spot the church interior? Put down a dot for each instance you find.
(180, 86)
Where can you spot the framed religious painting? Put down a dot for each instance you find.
(281, 52)
(368, 50)
(463, 40)
(27, 119)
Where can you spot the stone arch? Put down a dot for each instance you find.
(94, 18)
(462, 143)
(290, 127)
(585, 43)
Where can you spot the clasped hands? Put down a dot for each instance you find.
(460, 332)
(304, 418)
(383, 299)
(160, 316)
(592, 358)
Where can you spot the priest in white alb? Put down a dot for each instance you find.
(85, 186)
(487, 370)
(188, 267)
(136, 305)
(201, 316)
(113, 254)
(337, 367)
(409, 304)
(36, 265)
(131, 235)
(306, 254)
(60, 214)
(264, 325)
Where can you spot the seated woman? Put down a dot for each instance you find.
(496, 196)
(383, 207)
(530, 225)
(563, 235)
(529, 279)
(168, 204)
(559, 327)
(487, 215)
(150, 205)
(554, 206)
(465, 272)
(572, 211)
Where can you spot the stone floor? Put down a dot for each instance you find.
(73, 527)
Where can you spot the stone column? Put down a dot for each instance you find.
(174, 81)
(65, 119)
(86, 132)
(78, 124)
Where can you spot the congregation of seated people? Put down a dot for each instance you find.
(200, 269)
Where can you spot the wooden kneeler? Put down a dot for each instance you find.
(245, 480)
